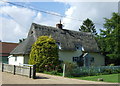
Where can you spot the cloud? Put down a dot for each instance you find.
(15, 22)
(96, 11)
(38, 17)
(20, 15)
(2, 3)
(48, 20)
(11, 31)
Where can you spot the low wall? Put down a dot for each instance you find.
(26, 70)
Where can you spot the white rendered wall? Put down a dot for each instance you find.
(67, 56)
(20, 60)
(99, 60)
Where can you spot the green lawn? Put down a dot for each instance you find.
(114, 78)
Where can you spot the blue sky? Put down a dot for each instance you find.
(16, 21)
(51, 6)
(47, 6)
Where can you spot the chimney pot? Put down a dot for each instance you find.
(60, 26)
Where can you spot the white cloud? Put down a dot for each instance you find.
(38, 18)
(2, 3)
(11, 31)
(96, 11)
(15, 22)
(48, 20)
(20, 15)
(0, 29)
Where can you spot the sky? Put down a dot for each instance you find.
(15, 21)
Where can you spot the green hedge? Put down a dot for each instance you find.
(91, 71)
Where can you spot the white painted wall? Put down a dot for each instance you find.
(99, 60)
(11, 60)
(67, 56)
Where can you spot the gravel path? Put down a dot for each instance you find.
(8, 78)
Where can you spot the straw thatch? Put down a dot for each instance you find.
(68, 39)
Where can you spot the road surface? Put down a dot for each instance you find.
(8, 78)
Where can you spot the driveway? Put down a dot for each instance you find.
(8, 78)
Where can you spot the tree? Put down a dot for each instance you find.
(88, 26)
(109, 39)
(44, 54)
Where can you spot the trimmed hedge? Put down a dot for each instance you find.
(91, 71)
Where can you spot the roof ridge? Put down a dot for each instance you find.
(88, 33)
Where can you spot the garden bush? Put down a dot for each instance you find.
(69, 68)
(44, 54)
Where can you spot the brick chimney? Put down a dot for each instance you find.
(59, 25)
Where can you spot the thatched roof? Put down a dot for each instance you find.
(68, 39)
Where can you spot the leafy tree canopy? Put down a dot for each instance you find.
(109, 39)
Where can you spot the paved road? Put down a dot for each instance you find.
(8, 78)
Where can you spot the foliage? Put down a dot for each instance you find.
(88, 26)
(92, 71)
(44, 54)
(109, 39)
(69, 68)
(111, 64)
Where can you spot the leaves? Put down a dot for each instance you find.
(109, 39)
(88, 26)
(44, 52)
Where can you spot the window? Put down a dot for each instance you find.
(15, 58)
(75, 59)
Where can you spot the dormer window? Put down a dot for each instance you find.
(79, 47)
(59, 45)
(83, 49)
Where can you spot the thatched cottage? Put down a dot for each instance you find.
(73, 46)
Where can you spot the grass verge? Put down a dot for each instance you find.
(114, 78)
